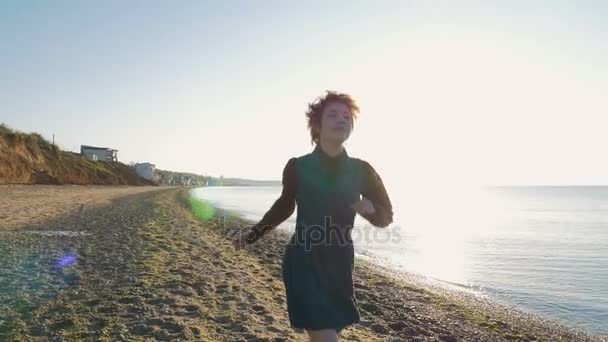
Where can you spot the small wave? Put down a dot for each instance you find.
(470, 287)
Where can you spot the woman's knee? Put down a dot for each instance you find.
(324, 335)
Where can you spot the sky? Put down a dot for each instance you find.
(467, 92)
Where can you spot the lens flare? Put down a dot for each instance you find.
(67, 260)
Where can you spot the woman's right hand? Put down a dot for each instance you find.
(238, 240)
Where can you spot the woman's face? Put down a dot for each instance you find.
(336, 122)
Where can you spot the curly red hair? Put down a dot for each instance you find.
(315, 111)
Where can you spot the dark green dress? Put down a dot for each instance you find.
(319, 258)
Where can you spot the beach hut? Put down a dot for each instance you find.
(99, 153)
(147, 171)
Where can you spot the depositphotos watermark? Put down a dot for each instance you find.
(331, 234)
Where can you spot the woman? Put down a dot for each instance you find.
(329, 187)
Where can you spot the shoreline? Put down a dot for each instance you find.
(155, 265)
(475, 303)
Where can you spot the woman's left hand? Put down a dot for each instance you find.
(363, 207)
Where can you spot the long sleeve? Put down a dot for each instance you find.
(374, 191)
(282, 208)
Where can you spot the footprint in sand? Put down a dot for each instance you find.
(259, 309)
(172, 326)
(226, 306)
(130, 300)
(220, 264)
(141, 329)
(166, 247)
(222, 288)
(276, 330)
(268, 319)
(191, 308)
(229, 298)
(223, 319)
(199, 288)
(185, 291)
(162, 300)
(160, 326)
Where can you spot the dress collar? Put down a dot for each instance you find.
(324, 156)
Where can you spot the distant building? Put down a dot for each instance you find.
(99, 153)
(147, 171)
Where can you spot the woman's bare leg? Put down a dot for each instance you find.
(324, 335)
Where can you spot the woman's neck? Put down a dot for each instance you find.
(330, 148)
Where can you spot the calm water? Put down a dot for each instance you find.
(541, 249)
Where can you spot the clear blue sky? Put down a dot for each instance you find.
(504, 92)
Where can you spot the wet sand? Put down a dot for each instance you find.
(140, 266)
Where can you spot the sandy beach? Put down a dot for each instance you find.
(135, 264)
(26, 205)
